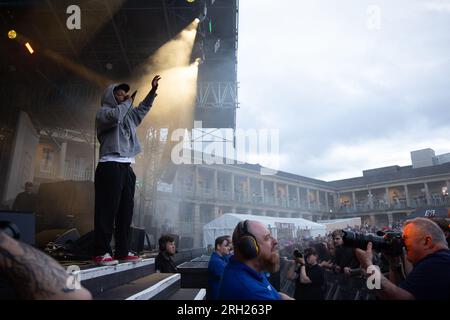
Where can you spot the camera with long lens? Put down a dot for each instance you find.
(298, 254)
(389, 242)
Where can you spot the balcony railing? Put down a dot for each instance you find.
(69, 174)
(256, 199)
(185, 191)
(241, 197)
(47, 174)
(282, 202)
(76, 174)
(293, 204)
(224, 195)
(396, 205)
(205, 193)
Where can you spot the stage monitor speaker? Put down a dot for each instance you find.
(84, 245)
(25, 222)
(69, 236)
(137, 239)
(44, 237)
(149, 243)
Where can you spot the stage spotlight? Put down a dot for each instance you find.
(190, 1)
(30, 49)
(12, 34)
(197, 20)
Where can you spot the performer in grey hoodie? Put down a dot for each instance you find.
(116, 123)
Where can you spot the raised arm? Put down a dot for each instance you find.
(138, 113)
(388, 289)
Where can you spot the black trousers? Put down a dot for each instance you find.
(114, 202)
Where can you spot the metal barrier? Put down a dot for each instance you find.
(337, 287)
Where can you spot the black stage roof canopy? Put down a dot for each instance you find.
(115, 38)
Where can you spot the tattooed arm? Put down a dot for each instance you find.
(33, 274)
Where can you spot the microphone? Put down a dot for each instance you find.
(132, 100)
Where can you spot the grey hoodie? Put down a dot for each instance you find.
(116, 124)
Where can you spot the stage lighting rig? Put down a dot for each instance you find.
(12, 34)
(30, 49)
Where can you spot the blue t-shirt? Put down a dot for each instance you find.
(227, 257)
(430, 277)
(216, 266)
(240, 282)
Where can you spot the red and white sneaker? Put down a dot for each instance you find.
(105, 260)
(129, 258)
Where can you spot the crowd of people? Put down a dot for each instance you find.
(244, 267)
(326, 268)
(248, 265)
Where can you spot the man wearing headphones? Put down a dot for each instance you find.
(163, 261)
(255, 252)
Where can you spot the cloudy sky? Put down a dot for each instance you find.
(350, 84)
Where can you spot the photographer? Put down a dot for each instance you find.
(427, 250)
(345, 259)
(309, 277)
(346, 266)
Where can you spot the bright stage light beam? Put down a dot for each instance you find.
(176, 97)
(30, 49)
(176, 52)
(77, 68)
(172, 62)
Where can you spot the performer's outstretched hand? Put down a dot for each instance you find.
(155, 82)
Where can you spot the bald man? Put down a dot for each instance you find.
(427, 249)
(255, 252)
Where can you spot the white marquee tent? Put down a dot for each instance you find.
(225, 224)
(332, 225)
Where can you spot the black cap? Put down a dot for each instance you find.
(125, 87)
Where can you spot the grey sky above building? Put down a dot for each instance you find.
(352, 85)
